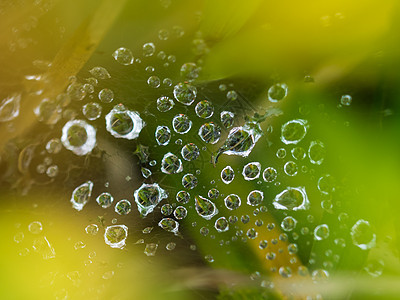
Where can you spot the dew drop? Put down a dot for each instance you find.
(290, 168)
(81, 195)
(346, 100)
(171, 164)
(210, 133)
(149, 49)
(251, 171)
(362, 235)
(182, 197)
(205, 208)
(79, 137)
(115, 236)
(292, 198)
(147, 197)
(100, 73)
(294, 131)
(316, 152)
(123, 56)
(163, 135)
(154, 81)
(123, 207)
(321, 232)
(288, 223)
(189, 181)
(227, 175)
(227, 119)
(190, 152)
(151, 249)
(255, 198)
(169, 225)
(9, 108)
(165, 103)
(106, 95)
(232, 201)
(277, 92)
(204, 109)
(181, 124)
(123, 123)
(185, 93)
(180, 213)
(270, 174)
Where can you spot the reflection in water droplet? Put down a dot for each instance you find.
(251, 171)
(79, 137)
(205, 208)
(270, 174)
(277, 92)
(298, 153)
(123, 123)
(105, 200)
(204, 109)
(115, 236)
(190, 152)
(321, 232)
(180, 212)
(189, 181)
(221, 224)
(232, 201)
(255, 198)
(185, 93)
(163, 135)
(9, 108)
(290, 168)
(106, 95)
(165, 103)
(227, 175)
(362, 235)
(292, 198)
(147, 197)
(210, 133)
(294, 131)
(181, 124)
(91, 111)
(123, 56)
(169, 225)
(316, 152)
(171, 164)
(123, 207)
(227, 119)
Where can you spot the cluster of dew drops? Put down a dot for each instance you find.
(78, 135)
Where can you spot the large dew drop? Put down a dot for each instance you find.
(205, 208)
(123, 123)
(81, 195)
(9, 108)
(292, 198)
(79, 137)
(115, 236)
(185, 93)
(294, 131)
(171, 164)
(362, 235)
(148, 196)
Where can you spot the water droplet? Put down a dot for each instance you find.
(163, 34)
(293, 248)
(346, 100)
(123, 207)
(181, 124)
(92, 111)
(294, 131)
(170, 246)
(79, 137)
(319, 275)
(149, 49)
(241, 140)
(81, 195)
(52, 171)
(154, 81)
(221, 224)
(290, 168)
(9, 108)
(146, 173)
(171, 164)
(165, 103)
(35, 227)
(251, 171)
(288, 223)
(255, 198)
(54, 146)
(298, 153)
(147, 197)
(213, 193)
(182, 197)
(106, 95)
(105, 200)
(185, 93)
(270, 174)
(277, 92)
(76, 91)
(232, 201)
(231, 95)
(163, 135)
(321, 232)
(362, 235)
(115, 236)
(178, 31)
(180, 213)
(326, 184)
(281, 153)
(189, 181)
(285, 271)
(316, 152)
(100, 73)
(204, 109)
(150, 249)
(251, 233)
(227, 175)
(374, 267)
(210, 133)
(227, 119)
(92, 229)
(167, 81)
(169, 225)
(48, 112)
(166, 209)
(123, 123)
(205, 208)
(190, 152)
(123, 56)
(190, 71)
(292, 198)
